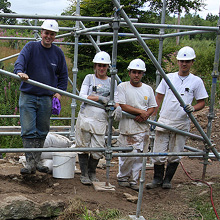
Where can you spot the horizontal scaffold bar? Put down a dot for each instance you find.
(97, 104)
(70, 149)
(158, 154)
(63, 17)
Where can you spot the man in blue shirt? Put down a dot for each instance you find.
(43, 62)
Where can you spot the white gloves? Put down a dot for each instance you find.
(188, 108)
(117, 113)
(103, 100)
(153, 118)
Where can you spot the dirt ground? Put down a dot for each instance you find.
(156, 204)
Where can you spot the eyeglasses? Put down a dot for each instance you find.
(102, 65)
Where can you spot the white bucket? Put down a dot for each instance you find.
(64, 165)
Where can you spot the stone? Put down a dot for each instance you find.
(131, 198)
(20, 207)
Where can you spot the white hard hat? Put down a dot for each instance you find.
(50, 25)
(137, 64)
(186, 53)
(102, 57)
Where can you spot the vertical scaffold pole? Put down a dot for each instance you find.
(161, 42)
(75, 71)
(113, 71)
(211, 114)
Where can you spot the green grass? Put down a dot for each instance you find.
(203, 206)
(76, 209)
(201, 203)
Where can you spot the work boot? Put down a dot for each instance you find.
(41, 168)
(123, 183)
(83, 163)
(39, 143)
(170, 171)
(92, 169)
(158, 177)
(30, 167)
(134, 186)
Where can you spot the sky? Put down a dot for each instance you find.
(56, 7)
(40, 7)
(212, 6)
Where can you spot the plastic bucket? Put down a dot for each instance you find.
(64, 165)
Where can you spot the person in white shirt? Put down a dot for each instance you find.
(172, 114)
(138, 99)
(92, 121)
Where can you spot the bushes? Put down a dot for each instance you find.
(203, 65)
(9, 91)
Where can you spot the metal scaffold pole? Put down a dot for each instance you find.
(75, 71)
(215, 75)
(161, 71)
(113, 71)
(161, 42)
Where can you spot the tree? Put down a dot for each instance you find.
(177, 6)
(4, 8)
(212, 18)
(104, 8)
(126, 51)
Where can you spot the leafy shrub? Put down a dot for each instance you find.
(203, 65)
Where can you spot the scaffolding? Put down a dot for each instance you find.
(120, 18)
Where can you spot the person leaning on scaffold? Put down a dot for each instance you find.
(92, 121)
(43, 62)
(172, 114)
(138, 99)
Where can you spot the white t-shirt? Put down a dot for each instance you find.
(94, 86)
(189, 87)
(94, 119)
(138, 97)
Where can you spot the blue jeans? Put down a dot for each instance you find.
(35, 112)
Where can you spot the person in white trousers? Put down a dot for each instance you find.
(138, 99)
(92, 121)
(172, 114)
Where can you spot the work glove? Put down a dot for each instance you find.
(188, 108)
(117, 113)
(103, 100)
(153, 118)
(56, 106)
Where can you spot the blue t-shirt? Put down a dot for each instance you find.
(44, 65)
